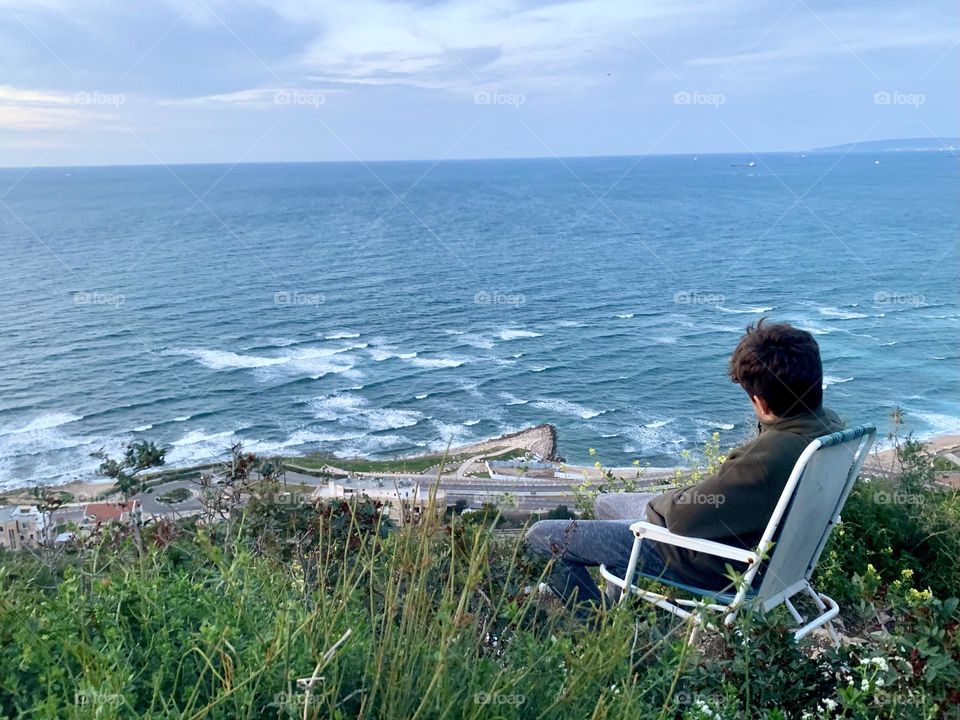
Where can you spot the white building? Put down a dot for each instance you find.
(21, 526)
(405, 502)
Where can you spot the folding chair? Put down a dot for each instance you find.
(791, 544)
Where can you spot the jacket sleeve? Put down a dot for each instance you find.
(736, 500)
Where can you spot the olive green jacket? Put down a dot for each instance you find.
(734, 505)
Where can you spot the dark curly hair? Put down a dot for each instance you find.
(781, 364)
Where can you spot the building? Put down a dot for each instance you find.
(404, 500)
(21, 526)
(67, 515)
(102, 513)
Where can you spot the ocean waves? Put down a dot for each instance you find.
(838, 314)
(355, 411)
(556, 406)
(226, 360)
(621, 344)
(312, 362)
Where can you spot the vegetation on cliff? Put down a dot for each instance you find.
(294, 610)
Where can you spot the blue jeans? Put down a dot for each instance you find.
(575, 545)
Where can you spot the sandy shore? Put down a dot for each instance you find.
(887, 459)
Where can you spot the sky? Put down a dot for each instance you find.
(102, 82)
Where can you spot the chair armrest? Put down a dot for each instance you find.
(661, 534)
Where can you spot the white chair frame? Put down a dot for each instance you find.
(814, 494)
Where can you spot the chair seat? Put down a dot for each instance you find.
(702, 592)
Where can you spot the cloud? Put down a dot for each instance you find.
(824, 37)
(465, 45)
(220, 51)
(13, 96)
(462, 44)
(598, 76)
(254, 97)
(30, 109)
(13, 117)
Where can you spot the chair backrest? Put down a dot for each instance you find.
(809, 508)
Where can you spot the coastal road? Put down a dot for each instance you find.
(526, 495)
(522, 493)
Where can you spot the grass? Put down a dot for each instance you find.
(434, 621)
(427, 622)
(438, 627)
(942, 464)
(418, 464)
(175, 496)
(405, 465)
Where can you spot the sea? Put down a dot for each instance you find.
(388, 309)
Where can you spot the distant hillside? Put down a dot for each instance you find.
(898, 145)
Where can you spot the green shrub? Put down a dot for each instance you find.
(892, 524)
(442, 619)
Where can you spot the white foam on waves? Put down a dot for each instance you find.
(478, 341)
(450, 434)
(196, 437)
(315, 362)
(43, 422)
(653, 438)
(829, 380)
(355, 411)
(838, 314)
(745, 310)
(937, 423)
(336, 406)
(226, 360)
(515, 334)
(657, 423)
(441, 362)
(565, 407)
(47, 451)
(377, 420)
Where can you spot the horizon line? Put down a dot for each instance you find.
(826, 150)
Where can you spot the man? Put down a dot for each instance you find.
(779, 367)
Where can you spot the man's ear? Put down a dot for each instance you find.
(761, 405)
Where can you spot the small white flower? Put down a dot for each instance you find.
(878, 662)
(830, 704)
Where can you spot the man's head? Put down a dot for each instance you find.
(779, 367)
